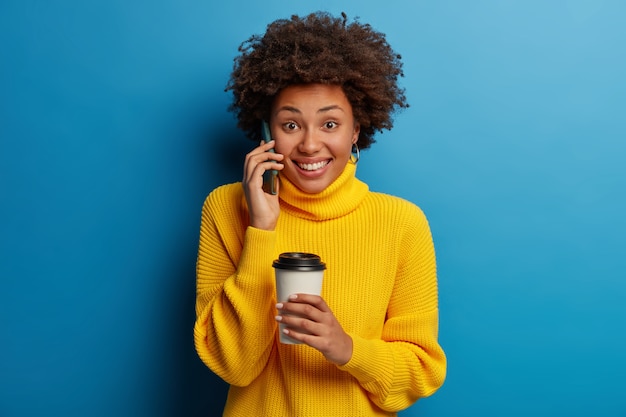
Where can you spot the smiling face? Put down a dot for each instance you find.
(314, 129)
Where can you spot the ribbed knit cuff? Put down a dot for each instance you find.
(371, 360)
(258, 252)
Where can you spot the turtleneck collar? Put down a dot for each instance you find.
(338, 199)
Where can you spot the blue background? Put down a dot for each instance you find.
(114, 128)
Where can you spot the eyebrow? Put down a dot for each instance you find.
(321, 110)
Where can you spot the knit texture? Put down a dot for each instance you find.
(380, 283)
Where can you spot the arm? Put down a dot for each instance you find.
(234, 329)
(407, 363)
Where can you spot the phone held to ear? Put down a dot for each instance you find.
(270, 178)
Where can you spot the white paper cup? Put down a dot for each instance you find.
(297, 273)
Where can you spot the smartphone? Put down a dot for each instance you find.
(270, 178)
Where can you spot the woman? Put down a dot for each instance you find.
(370, 340)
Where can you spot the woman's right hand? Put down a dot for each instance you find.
(263, 208)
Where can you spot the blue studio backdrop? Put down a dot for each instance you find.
(114, 128)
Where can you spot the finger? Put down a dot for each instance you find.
(266, 146)
(255, 174)
(298, 323)
(255, 157)
(312, 299)
(294, 313)
(298, 336)
(263, 148)
(256, 165)
(299, 327)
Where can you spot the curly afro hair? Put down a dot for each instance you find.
(318, 48)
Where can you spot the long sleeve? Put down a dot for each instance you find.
(380, 283)
(407, 362)
(234, 328)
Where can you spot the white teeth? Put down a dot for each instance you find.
(313, 167)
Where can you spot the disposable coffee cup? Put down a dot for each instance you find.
(297, 273)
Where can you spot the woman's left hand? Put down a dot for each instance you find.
(316, 326)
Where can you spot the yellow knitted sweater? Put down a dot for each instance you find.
(380, 283)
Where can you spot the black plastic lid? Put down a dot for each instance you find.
(299, 261)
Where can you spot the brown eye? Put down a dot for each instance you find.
(330, 125)
(290, 126)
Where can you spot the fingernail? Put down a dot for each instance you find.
(293, 296)
(278, 318)
(279, 306)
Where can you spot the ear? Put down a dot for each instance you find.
(355, 134)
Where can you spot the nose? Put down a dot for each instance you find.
(311, 142)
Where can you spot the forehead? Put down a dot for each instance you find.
(306, 98)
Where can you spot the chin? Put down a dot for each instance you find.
(311, 190)
(311, 187)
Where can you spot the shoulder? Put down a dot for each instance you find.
(397, 215)
(224, 199)
(403, 222)
(394, 206)
(224, 193)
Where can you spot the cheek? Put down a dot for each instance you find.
(344, 150)
(282, 146)
(279, 148)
